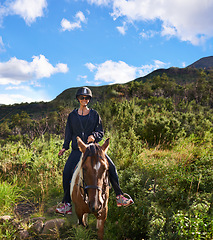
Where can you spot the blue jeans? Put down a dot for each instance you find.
(69, 167)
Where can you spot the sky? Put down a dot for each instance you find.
(48, 46)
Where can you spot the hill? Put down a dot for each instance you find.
(181, 76)
(203, 63)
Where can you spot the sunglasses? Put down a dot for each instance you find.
(82, 98)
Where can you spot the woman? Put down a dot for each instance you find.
(85, 123)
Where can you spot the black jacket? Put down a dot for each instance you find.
(74, 128)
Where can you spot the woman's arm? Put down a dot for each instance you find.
(68, 134)
(98, 132)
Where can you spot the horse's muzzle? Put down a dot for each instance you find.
(94, 207)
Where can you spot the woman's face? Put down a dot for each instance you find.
(83, 100)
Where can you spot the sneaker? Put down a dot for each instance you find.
(64, 208)
(123, 201)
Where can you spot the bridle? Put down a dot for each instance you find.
(93, 187)
(89, 152)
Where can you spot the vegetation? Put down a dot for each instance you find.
(161, 142)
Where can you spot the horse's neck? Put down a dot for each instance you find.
(77, 173)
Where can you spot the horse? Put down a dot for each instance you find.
(89, 187)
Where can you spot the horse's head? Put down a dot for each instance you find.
(95, 173)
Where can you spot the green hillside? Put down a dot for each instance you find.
(174, 79)
(180, 75)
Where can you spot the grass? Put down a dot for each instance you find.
(9, 195)
(172, 189)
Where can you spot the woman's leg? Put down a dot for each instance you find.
(113, 176)
(69, 167)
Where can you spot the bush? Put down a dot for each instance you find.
(172, 194)
(161, 129)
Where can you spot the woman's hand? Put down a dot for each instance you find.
(90, 139)
(61, 152)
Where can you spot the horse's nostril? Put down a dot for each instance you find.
(94, 208)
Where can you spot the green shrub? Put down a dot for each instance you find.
(161, 129)
(163, 184)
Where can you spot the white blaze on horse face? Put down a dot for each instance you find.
(96, 168)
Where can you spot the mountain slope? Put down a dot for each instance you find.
(180, 75)
(183, 75)
(203, 63)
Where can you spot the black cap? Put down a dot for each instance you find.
(84, 91)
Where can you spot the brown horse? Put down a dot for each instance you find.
(89, 188)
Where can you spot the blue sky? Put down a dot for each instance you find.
(47, 46)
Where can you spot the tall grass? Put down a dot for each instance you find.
(172, 189)
(37, 169)
(10, 193)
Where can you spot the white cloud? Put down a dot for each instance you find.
(122, 29)
(31, 96)
(121, 72)
(148, 68)
(81, 77)
(148, 34)
(1, 44)
(13, 98)
(26, 88)
(99, 2)
(79, 19)
(189, 20)
(90, 66)
(114, 72)
(16, 71)
(23, 93)
(29, 10)
(168, 30)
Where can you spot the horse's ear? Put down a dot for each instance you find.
(82, 146)
(105, 146)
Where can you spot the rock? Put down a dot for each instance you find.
(5, 218)
(23, 234)
(37, 225)
(52, 226)
(35, 219)
(51, 210)
(13, 221)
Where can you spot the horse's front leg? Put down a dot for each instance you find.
(82, 216)
(82, 220)
(100, 227)
(85, 219)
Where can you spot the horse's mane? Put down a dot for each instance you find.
(91, 150)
